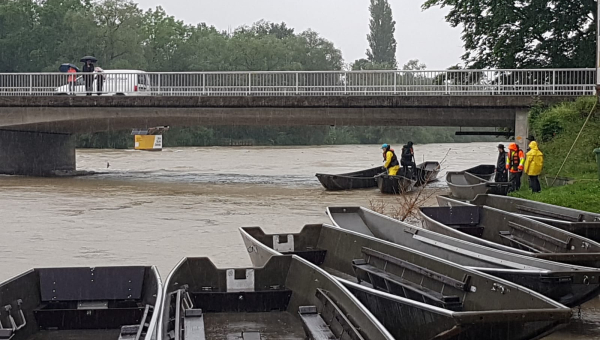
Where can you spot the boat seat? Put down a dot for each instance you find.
(521, 243)
(337, 321)
(411, 289)
(6, 334)
(249, 336)
(314, 325)
(129, 332)
(193, 324)
(470, 230)
(547, 239)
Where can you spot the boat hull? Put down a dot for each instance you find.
(355, 180)
(566, 284)
(395, 185)
(427, 172)
(484, 171)
(466, 186)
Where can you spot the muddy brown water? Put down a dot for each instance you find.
(157, 207)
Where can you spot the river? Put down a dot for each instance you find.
(157, 207)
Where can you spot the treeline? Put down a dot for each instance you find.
(285, 136)
(39, 35)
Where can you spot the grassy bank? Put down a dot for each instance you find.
(555, 129)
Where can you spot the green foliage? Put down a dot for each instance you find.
(524, 34)
(281, 135)
(382, 44)
(39, 35)
(556, 128)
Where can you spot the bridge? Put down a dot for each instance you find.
(40, 111)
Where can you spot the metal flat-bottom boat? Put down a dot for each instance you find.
(395, 185)
(354, 180)
(464, 185)
(510, 232)
(578, 222)
(416, 295)
(285, 298)
(95, 303)
(568, 284)
(485, 171)
(427, 172)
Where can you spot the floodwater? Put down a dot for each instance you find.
(157, 207)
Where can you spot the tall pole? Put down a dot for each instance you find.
(598, 48)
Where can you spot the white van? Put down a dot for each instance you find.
(116, 82)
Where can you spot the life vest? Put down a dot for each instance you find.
(394, 161)
(514, 160)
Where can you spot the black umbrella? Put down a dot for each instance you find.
(65, 67)
(89, 57)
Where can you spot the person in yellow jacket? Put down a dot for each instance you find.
(390, 160)
(533, 166)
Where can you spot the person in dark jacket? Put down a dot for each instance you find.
(501, 172)
(88, 67)
(407, 159)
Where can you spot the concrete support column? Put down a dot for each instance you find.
(521, 128)
(35, 153)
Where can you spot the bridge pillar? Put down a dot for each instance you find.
(35, 153)
(521, 128)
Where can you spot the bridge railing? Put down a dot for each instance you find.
(548, 82)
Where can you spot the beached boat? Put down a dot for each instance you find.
(578, 222)
(510, 232)
(353, 180)
(416, 295)
(285, 298)
(81, 303)
(395, 185)
(484, 171)
(427, 172)
(568, 284)
(464, 185)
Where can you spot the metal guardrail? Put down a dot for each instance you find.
(542, 82)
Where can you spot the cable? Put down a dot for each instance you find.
(575, 142)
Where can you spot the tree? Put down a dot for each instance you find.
(381, 37)
(524, 34)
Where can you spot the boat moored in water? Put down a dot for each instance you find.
(578, 222)
(427, 172)
(568, 284)
(464, 185)
(94, 303)
(510, 232)
(354, 180)
(284, 298)
(416, 295)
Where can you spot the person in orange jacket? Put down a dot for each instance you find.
(515, 158)
(72, 79)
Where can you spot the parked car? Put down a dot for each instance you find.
(116, 82)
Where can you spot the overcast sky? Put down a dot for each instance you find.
(421, 35)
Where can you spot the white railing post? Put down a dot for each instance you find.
(446, 73)
(204, 84)
(395, 74)
(553, 81)
(249, 83)
(158, 86)
(297, 83)
(346, 83)
(30, 84)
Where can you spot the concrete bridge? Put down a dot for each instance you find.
(36, 127)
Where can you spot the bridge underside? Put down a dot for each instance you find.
(31, 128)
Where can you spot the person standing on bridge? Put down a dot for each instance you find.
(390, 160)
(88, 67)
(408, 159)
(515, 159)
(501, 171)
(533, 166)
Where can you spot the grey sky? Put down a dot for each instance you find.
(421, 35)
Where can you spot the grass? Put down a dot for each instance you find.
(582, 195)
(555, 130)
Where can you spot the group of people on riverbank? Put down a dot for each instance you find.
(512, 163)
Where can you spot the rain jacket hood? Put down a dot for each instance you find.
(512, 147)
(534, 162)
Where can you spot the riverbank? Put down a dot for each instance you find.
(555, 130)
